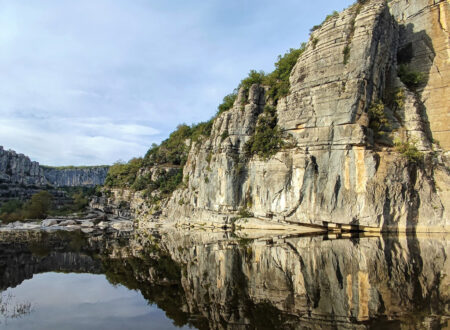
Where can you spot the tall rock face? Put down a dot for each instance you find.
(336, 172)
(19, 169)
(424, 31)
(89, 176)
(20, 177)
(336, 167)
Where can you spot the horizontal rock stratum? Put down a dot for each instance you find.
(337, 168)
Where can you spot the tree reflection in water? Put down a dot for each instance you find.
(217, 280)
(11, 309)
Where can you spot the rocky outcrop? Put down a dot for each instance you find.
(336, 167)
(424, 34)
(337, 171)
(20, 177)
(86, 176)
(19, 169)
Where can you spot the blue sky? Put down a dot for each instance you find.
(93, 81)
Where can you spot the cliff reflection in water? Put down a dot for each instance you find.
(216, 280)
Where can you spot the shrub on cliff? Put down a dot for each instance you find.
(227, 103)
(267, 139)
(165, 184)
(378, 120)
(409, 151)
(410, 77)
(334, 14)
(278, 80)
(254, 77)
(123, 174)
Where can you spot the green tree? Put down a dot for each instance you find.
(227, 103)
(39, 205)
(11, 206)
(80, 201)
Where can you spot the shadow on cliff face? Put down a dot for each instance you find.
(413, 64)
(415, 57)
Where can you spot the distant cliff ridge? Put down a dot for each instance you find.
(20, 177)
(19, 169)
(86, 176)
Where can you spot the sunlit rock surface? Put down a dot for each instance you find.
(336, 169)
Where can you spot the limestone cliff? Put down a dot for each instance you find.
(20, 177)
(343, 161)
(19, 169)
(86, 176)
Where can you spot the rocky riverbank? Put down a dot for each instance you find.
(89, 223)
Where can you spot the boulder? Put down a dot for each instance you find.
(68, 222)
(122, 225)
(87, 224)
(103, 224)
(49, 222)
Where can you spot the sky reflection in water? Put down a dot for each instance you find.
(82, 301)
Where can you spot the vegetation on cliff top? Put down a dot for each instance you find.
(174, 150)
(71, 167)
(123, 174)
(277, 80)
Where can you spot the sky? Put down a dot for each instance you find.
(91, 82)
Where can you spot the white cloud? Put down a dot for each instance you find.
(75, 141)
(129, 72)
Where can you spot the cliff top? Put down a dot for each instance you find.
(71, 167)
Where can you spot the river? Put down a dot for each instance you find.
(168, 278)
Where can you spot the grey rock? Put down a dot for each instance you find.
(49, 222)
(103, 224)
(67, 222)
(122, 225)
(335, 170)
(76, 177)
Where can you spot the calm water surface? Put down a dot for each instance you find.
(81, 301)
(221, 280)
